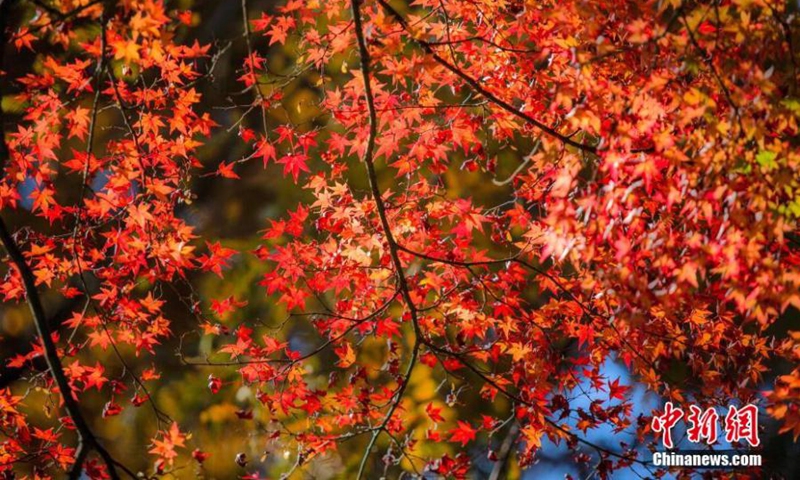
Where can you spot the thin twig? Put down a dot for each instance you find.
(251, 58)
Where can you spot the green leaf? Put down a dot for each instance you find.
(766, 159)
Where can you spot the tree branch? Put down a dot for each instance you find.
(48, 8)
(516, 398)
(5, 6)
(504, 455)
(368, 159)
(259, 94)
(86, 436)
(475, 84)
(51, 352)
(10, 375)
(80, 458)
(508, 394)
(62, 17)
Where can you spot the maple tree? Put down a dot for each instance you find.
(496, 197)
